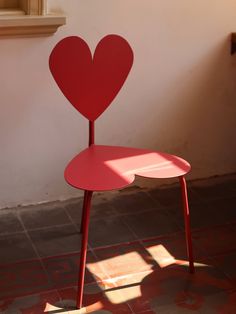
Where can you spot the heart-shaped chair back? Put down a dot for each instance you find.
(89, 82)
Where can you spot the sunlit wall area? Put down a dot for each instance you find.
(180, 96)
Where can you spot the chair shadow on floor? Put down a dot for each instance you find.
(160, 283)
(146, 276)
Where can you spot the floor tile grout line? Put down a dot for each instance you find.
(90, 248)
(205, 200)
(156, 200)
(165, 236)
(104, 269)
(142, 241)
(101, 266)
(48, 227)
(138, 238)
(35, 250)
(70, 218)
(214, 259)
(33, 294)
(147, 210)
(76, 227)
(175, 220)
(130, 229)
(190, 191)
(130, 307)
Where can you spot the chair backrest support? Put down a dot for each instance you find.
(91, 133)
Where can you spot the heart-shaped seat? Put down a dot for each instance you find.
(90, 83)
(102, 168)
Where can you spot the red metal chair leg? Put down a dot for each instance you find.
(187, 223)
(83, 254)
(83, 211)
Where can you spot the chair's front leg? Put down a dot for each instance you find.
(84, 244)
(187, 223)
(83, 211)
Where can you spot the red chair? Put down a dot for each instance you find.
(90, 83)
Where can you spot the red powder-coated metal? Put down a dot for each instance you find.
(102, 168)
(91, 83)
(91, 133)
(83, 211)
(84, 242)
(187, 223)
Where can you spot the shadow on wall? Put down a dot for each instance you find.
(198, 122)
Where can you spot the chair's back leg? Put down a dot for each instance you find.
(84, 244)
(187, 223)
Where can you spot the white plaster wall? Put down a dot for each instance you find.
(180, 96)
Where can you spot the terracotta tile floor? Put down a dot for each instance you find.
(137, 257)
